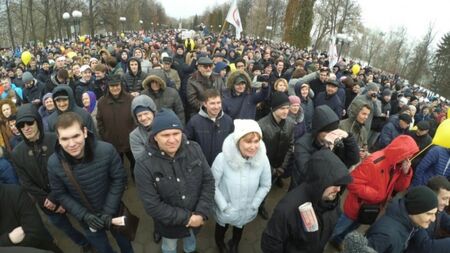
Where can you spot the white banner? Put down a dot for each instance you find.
(234, 18)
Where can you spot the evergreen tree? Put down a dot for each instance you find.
(441, 67)
(298, 22)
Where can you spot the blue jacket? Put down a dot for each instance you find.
(209, 134)
(389, 132)
(333, 101)
(7, 173)
(428, 241)
(242, 106)
(100, 175)
(436, 162)
(391, 233)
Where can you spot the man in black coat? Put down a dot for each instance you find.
(210, 126)
(97, 168)
(285, 231)
(30, 160)
(324, 134)
(33, 89)
(175, 183)
(330, 97)
(20, 223)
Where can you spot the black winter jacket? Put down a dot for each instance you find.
(100, 175)
(30, 158)
(278, 138)
(285, 232)
(17, 209)
(171, 189)
(209, 134)
(132, 82)
(307, 145)
(392, 232)
(87, 118)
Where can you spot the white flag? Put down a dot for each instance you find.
(234, 18)
(332, 54)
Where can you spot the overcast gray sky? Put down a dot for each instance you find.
(382, 14)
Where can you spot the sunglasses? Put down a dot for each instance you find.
(22, 124)
(207, 66)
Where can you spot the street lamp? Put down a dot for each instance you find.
(76, 15)
(123, 20)
(66, 17)
(343, 38)
(141, 23)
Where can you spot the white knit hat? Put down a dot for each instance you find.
(243, 127)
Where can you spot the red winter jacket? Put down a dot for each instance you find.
(371, 178)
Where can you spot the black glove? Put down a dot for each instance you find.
(106, 220)
(93, 221)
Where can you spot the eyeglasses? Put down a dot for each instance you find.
(22, 124)
(206, 66)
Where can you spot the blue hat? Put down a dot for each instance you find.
(165, 119)
(220, 66)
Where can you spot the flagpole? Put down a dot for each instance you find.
(220, 34)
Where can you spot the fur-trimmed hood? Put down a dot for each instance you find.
(236, 74)
(148, 79)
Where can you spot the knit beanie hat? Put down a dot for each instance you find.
(420, 199)
(279, 99)
(243, 127)
(356, 243)
(46, 96)
(294, 100)
(387, 92)
(27, 77)
(141, 108)
(372, 86)
(405, 117)
(165, 119)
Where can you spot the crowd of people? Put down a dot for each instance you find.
(208, 126)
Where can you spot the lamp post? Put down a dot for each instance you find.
(66, 17)
(152, 26)
(123, 20)
(142, 24)
(343, 38)
(76, 15)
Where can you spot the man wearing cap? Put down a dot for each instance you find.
(175, 183)
(403, 218)
(83, 85)
(114, 119)
(329, 97)
(393, 128)
(201, 80)
(423, 139)
(431, 239)
(65, 102)
(210, 126)
(286, 230)
(33, 89)
(30, 160)
(171, 75)
(371, 98)
(97, 169)
(132, 79)
(324, 134)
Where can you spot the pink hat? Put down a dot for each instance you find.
(294, 100)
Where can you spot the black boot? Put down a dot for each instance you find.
(156, 237)
(233, 246)
(219, 237)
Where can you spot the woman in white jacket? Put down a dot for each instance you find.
(242, 178)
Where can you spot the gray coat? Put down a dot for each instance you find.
(139, 137)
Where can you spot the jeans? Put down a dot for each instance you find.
(170, 245)
(344, 226)
(62, 222)
(99, 240)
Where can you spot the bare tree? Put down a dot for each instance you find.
(10, 28)
(419, 64)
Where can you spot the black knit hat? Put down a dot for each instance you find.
(420, 199)
(423, 125)
(165, 119)
(405, 117)
(279, 99)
